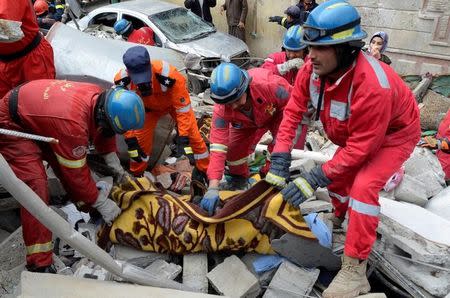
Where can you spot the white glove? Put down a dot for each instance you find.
(112, 160)
(283, 68)
(107, 208)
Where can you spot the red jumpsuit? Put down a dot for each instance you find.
(27, 59)
(271, 63)
(444, 132)
(142, 35)
(63, 110)
(234, 135)
(169, 96)
(373, 116)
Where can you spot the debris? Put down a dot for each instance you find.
(315, 206)
(412, 191)
(61, 268)
(195, 268)
(165, 270)
(12, 262)
(440, 204)
(136, 257)
(422, 160)
(306, 252)
(93, 272)
(319, 229)
(432, 183)
(266, 263)
(434, 110)
(231, 278)
(291, 281)
(265, 277)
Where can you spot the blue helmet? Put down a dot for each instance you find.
(333, 22)
(292, 39)
(122, 26)
(124, 110)
(228, 83)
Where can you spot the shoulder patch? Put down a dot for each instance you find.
(281, 93)
(165, 81)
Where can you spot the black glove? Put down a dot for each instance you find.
(135, 151)
(183, 148)
(275, 19)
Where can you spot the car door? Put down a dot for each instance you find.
(138, 23)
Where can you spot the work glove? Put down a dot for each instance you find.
(120, 175)
(275, 19)
(135, 151)
(279, 169)
(285, 67)
(237, 182)
(210, 200)
(107, 208)
(183, 148)
(303, 187)
(431, 142)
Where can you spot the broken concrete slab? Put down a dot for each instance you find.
(422, 160)
(291, 281)
(432, 183)
(12, 251)
(315, 206)
(440, 204)
(164, 270)
(231, 278)
(422, 234)
(136, 257)
(306, 252)
(411, 190)
(42, 285)
(195, 268)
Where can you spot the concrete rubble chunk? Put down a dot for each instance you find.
(422, 160)
(265, 277)
(88, 269)
(322, 194)
(12, 251)
(136, 257)
(315, 206)
(61, 268)
(195, 268)
(291, 281)
(231, 278)
(432, 184)
(440, 204)
(42, 285)
(412, 191)
(302, 165)
(163, 269)
(306, 252)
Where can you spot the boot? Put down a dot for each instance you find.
(337, 222)
(45, 269)
(351, 280)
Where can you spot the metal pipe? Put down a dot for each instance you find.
(30, 136)
(55, 223)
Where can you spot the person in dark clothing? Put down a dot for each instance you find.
(306, 6)
(292, 17)
(202, 8)
(236, 12)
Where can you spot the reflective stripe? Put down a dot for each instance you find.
(338, 110)
(238, 162)
(165, 73)
(133, 153)
(364, 208)
(201, 155)
(188, 150)
(218, 148)
(304, 187)
(379, 71)
(40, 247)
(68, 163)
(314, 91)
(342, 199)
(184, 109)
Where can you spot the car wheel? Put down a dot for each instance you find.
(195, 85)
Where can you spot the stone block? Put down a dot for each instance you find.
(302, 165)
(315, 206)
(136, 257)
(231, 278)
(432, 183)
(12, 251)
(195, 268)
(265, 277)
(291, 281)
(422, 160)
(164, 270)
(306, 252)
(412, 191)
(440, 204)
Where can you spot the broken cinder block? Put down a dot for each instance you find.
(412, 191)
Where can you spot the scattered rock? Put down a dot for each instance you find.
(412, 191)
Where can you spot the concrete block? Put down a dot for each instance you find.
(195, 268)
(422, 160)
(315, 206)
(291, 281)
(412, 191)
(440, 204)
(302, 165)
(322, 194)
(265, 277)
(231, 278)
(136, 257)
(432, 183)
(41, 285)
(306, 252)
(12, 251)
(164, 270)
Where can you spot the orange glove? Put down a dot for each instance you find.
(432, 143)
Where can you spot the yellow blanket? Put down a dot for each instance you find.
(153, 220)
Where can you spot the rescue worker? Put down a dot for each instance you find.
(306, 6)
(30, 58)
(143, 35)
(367, 110)
(75, 114)
(163, 90)
(44, 18)
(248, 104)
(287, 63)
(292, 17)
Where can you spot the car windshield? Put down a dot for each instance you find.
(181, 25)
